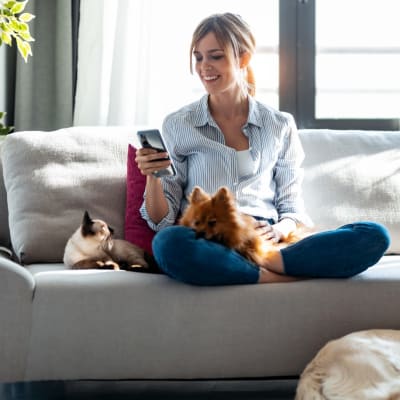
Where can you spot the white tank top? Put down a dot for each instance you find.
(245, 162)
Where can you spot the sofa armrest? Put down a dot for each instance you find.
(16, 293)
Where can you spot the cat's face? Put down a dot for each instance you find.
(212, 217)
(95, 229)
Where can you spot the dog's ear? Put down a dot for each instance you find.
(198, 195)
(224, 195)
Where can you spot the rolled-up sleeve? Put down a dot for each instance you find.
(172, 185)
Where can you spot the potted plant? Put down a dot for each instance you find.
(14, 28)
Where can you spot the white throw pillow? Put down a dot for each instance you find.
(352, 176)
(53, 177)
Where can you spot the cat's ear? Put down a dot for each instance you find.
(87, 224)
(198, 195)
(86, 219)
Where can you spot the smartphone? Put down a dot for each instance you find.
(152, 139)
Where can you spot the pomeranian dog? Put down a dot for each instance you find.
(217, 218)
(92, 246)
(363, 365)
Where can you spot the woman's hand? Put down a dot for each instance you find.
(145, 160)
(156, 203)
(268, 231)
(276, 232)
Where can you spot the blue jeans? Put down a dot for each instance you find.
(338, 253)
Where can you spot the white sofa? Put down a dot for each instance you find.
(58, 324)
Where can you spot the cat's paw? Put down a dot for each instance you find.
(134, 266)
(108, 265)
(113, 265)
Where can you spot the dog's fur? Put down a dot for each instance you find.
(92, 246)
(363, 365)
(217, 218)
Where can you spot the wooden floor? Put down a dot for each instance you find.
(281, 389)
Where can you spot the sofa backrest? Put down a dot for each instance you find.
(52, 177)
(353, 176)
(4, 229)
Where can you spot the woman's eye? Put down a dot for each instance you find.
(216, 57)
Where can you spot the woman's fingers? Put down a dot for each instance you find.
(267, 231)
(149, 160)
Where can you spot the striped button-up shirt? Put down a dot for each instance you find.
(197, 147)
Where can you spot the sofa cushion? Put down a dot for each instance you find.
(137, 230)
(127, 325)
(52, 177)
(352, 176)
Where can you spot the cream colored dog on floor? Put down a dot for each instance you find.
(363, 365)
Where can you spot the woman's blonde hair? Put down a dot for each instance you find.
(234, 36)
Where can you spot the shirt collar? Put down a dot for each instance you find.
(203, 116)
(254, 112)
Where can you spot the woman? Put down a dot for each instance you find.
(227, 138)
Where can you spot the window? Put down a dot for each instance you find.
(345, 58)
(330, 63)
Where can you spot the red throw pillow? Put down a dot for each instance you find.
(136, 229)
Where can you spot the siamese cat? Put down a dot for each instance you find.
(92, 246)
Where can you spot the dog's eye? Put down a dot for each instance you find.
(196, 223)
(212, 223)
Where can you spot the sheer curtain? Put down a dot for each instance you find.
(121, 46)
(133, 57)
(105, 43)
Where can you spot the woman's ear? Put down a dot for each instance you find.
(245, 60)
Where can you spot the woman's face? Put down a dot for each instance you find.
(217, 73)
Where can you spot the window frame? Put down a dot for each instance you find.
(297, 71)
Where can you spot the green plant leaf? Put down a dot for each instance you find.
(5, 12)
(4, 27)
(6, 38)
(23, 27)
(6, 130)
(10, 4)
(14, 24)
(24, 49)
(26, 36)
(26, 17)
(18, 7)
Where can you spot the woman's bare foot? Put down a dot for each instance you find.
(273, 269)
(273, 261)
